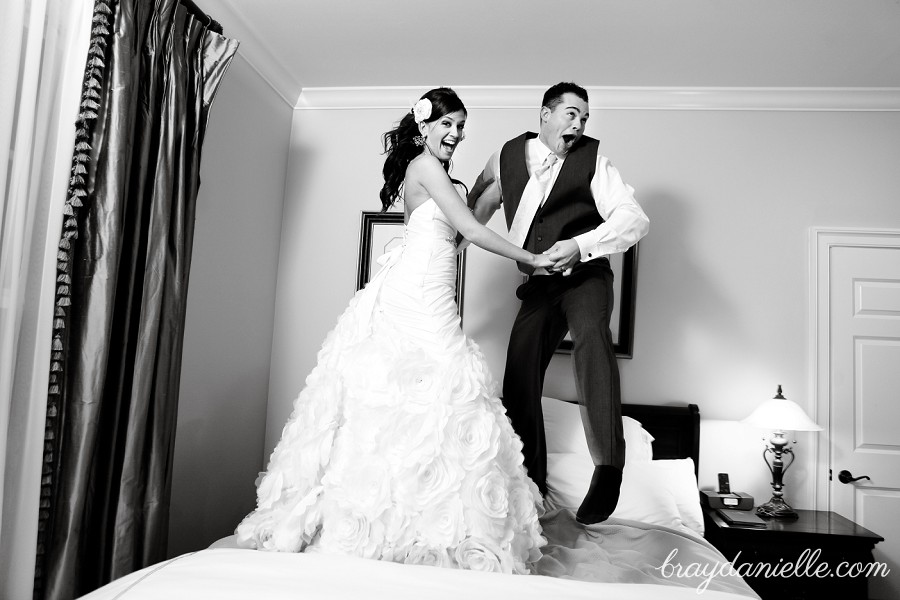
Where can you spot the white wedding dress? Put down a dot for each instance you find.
(399, 448)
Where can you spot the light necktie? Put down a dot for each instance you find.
(532, 198)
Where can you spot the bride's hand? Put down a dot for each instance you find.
(541, 260)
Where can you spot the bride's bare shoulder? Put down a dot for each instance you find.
(423, 165)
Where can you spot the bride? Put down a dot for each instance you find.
(398, 447)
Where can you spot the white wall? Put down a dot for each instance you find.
(230, 311)
(722, 309)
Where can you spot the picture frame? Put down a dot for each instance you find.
(381, 232)
(624, 266)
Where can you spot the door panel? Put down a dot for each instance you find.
(858, 345)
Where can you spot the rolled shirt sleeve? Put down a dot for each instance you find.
(625, 221)
(492, 170)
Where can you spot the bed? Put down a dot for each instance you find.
(651, 547)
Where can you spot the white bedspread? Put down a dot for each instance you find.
(612, 560)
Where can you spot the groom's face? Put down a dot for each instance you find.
(564, 125)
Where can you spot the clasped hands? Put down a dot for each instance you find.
(561, 257)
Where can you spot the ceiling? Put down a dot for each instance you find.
(299, 44)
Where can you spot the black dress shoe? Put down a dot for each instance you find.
(602, 496)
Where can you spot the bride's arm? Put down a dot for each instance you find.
(430, 174)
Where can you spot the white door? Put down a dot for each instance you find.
(858, 346)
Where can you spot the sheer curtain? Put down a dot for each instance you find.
(42, 48)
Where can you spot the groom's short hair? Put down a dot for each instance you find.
(553, 95)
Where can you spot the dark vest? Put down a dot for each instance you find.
(569, 209)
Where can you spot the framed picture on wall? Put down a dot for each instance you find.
(381, 232)
(624, 266)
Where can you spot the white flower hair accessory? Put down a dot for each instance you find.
(421, 110)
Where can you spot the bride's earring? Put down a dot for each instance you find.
(419, 140)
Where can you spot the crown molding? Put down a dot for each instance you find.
(256, 53)
(279, 76)
(619, 98)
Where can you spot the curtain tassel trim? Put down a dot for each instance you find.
(77, 197)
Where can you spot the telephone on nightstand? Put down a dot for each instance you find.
(725, 498)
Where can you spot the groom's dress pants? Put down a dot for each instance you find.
(552, 305)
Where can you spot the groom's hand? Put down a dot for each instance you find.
(564, 254)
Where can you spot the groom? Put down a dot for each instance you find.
(561, 197)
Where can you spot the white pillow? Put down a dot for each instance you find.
(565, 433)
(659, 492)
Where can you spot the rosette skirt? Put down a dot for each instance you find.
(398, 447)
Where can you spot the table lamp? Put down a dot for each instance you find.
(779, 414)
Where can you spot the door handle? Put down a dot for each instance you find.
(847, 477)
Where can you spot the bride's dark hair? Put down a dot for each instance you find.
(400, 147)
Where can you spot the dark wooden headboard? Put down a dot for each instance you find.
(675, 429)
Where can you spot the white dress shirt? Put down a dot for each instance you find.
(624, 221)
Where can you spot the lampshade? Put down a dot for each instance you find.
(781, 413)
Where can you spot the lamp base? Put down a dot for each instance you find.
(776, 508)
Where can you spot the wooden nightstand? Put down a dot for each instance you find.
(818, 542)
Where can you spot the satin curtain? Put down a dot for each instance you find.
(42, 48)
(120, 318)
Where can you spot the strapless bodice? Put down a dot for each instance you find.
(428, 222)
